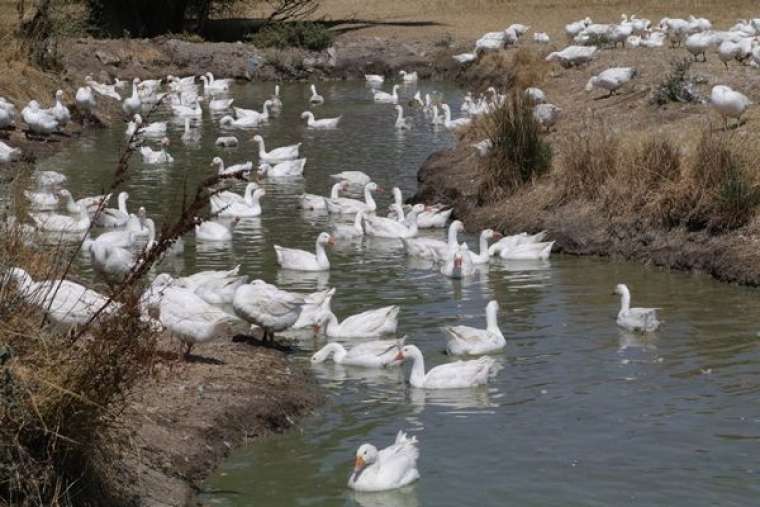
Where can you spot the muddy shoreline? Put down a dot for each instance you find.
(578, 228)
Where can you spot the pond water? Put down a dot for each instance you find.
(580, 413)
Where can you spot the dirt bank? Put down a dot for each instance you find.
(184, 421)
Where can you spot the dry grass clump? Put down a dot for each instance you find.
(518, 153)
(507, 69)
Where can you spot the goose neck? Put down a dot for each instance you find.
(625, 300)
(322, 259)
(483, 245)
(453, 236)
(368, 199)
(417, 377)
(335, 191)
(492, 323)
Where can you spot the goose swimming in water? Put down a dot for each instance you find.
(301, 260)
(634, 319)
(324, 123)
(391, 468)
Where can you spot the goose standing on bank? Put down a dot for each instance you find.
(276, 155)
(391, 468)
(572, 56)
(611, 79)
(324, 123)
(267, 306)
(634, 319)
(729, 103)
(59, 111)
(301, 260)
(85, 100)
(466, 340)
(8, 153)
(38, 120)
(546, 115)
(457, 375)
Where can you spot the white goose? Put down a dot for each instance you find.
(102, 89)
(466, 340)
(210, 231)
(368, 324)
(402, 122)
(428, 248)
(392, 468)
(383, 227)
(435, 218)
(38, 120)
(220, 104)
(226, 141)
(8, 153)
(249, 205)
(42, 201)
(114, 261)
(385, 97)
(315, 97)
(546, 115)
(527, 251)
(374, 79)
(262, 116)
(85, 100)
(357, 178)
(515, 240)
(276, 155)
(65, 303)
(324, 123)
(317, 202)
(267, 306)
(541, 38)
(572, 55)
(484, 256)
(313, 308)
(457, 375)
(155, 157)
(453, 124)
(242, 122)
(217, 87)
(192, 320)
(191, 135)
(353, 230)
(635, 319)
(49, 178)
(215, 291)
(136, 223)
(188, 111)
(132, 104)
(459, 265)
(286, 169)
(535, 95)
(729, 103)
(91, 204)
(301, 260)
(62, 223)
(371, 354)
(276, 102)
(408, 77)
(611, 79)
(153, 129)
(59, 111)
(243, 168)
(347, 206)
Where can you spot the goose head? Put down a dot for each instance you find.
(136, 81)
(457, 225)
(492, 306)
(366, 455)
(372, 187)
(307, 115)
(490, 234)
(257, 139)
(408, 351)
(621, 289)
(165, 142)
(59, 95)
(137, 119)
(217, 162)
(396, 88)
(259, 193)
(263, 169)
(325, 239)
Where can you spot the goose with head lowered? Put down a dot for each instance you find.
(229, 204)
(385, 97)
(634, 319)
(572, 56)
(155, 157)
(276, 155)
(324, 123)
(211, 231)
(267, 306)
(391, 468)
(301, 260)
(347, 206)
(371, 354)
(318, 202)
(729, 103)
(286, 169)
(8, 153)
(315, 97)
(429, 248)
(368, 324)
(382, 227)
(457, 375)
(466, 340)
(611, 79)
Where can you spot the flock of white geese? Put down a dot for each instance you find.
(210, 305)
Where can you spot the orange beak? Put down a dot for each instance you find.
(359, 463)
(316, 328)
(331, 242)
(380, 189)
(399, 356)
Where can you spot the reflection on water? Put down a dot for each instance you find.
(580, 413)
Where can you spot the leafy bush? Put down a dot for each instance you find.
(678, 85)
(300, 34)
(518, 153)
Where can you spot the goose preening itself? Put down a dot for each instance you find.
(242, 169)
(230, 204)
(267, 306)
(62, 223)
(318, 202)
(132, 104)
(353, 230)
(38, 120)
(453, 124)
(572, 56)
(286, 169)
(457, 375)
(65, 303)
(357, 178)
(729, 103)
(301, 260)
(315, 97)
(466, 340)
(546, 115)
(374, 79)
(85, 100)
(324, 123)
(102, 89)
(153, 157)
(347, 206)
(194, 321)
(428, 248)
(408, 77)
(371, 354)
(541, 38)
(611, 79)
(383, 227)
(8, 153)
(276, 155)
(220, 104)
(211, 231)
(368, 324)
(385, 97)
(262, 116)
(391, 468)
(401, 121)
(634, 319)
(459, 265)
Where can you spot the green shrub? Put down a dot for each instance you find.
(300, 34)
